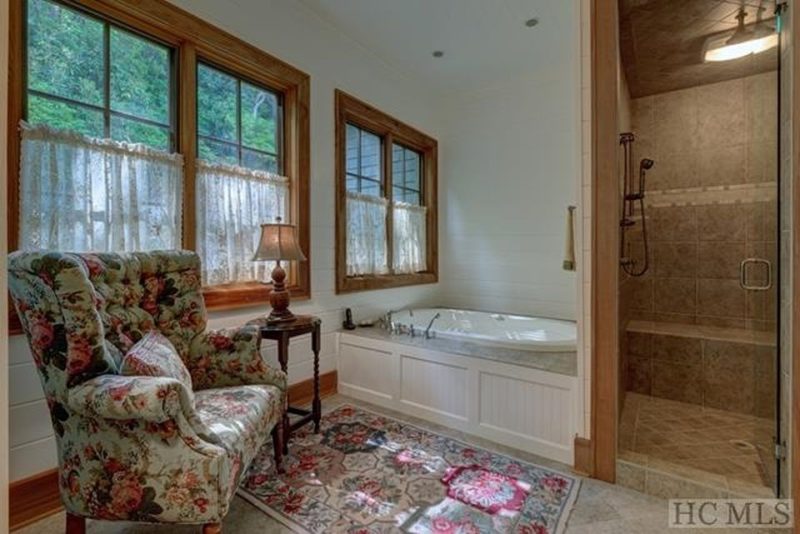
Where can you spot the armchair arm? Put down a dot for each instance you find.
(231, 357)
(153, 399)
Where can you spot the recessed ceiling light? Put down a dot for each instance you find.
(530, 23)
(438, 53)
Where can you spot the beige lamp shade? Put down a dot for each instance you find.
(278, 242)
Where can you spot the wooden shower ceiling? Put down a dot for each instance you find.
(661, 42)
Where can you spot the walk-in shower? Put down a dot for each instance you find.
(699, 312)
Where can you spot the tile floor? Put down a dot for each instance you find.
(600, 508)
(720, 449)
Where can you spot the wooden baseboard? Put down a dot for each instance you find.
(36, 497)
(303, 392)
(583, 457)
(33, 498)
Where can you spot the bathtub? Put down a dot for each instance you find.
(495, 329)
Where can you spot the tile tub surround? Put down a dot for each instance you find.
(711, 202)
(674, 449)
(722, 368)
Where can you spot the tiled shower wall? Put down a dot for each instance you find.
(711, 202)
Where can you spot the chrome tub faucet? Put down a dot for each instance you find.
(430, 325)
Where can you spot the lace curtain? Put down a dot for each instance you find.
(232, 204)
(366, 235)
(79, 193)
(409, 241)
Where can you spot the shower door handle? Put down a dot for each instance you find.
(743, 274)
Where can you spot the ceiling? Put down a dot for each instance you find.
(662, 41)
(483, 41)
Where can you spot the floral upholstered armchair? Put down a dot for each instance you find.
(143, 448)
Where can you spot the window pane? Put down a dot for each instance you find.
(140, 82)
(259, 119)
(405, 195)
(368, 187)
(370, 155)
(261, 162)
(65, 52)
(215, 152)
(406, 167)
(351, 151)
(413, 176)
(216, 103)
(132, 131)
(65, 116)
(352, 183)
(397, 165)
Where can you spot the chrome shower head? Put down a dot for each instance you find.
(646, 164)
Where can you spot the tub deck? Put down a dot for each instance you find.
(560, 362)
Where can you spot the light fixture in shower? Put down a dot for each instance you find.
(744, 41)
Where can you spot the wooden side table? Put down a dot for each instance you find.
(282, 333)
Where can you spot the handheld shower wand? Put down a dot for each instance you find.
(630, 197)
(644, 166)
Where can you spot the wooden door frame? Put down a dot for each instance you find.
(605, 342)
(605, 226)
(795, 264)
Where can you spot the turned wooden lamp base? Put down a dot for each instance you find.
(279, 297)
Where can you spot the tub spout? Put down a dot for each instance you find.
(430, 325)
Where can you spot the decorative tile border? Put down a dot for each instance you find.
(703, 196)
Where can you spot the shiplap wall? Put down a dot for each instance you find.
(289, 31)
(512, 167)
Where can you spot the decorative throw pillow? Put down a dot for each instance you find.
(154, 355)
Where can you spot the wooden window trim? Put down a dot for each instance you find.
(349, 109)
(193, 39)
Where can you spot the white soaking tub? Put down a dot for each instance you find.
(496, 329)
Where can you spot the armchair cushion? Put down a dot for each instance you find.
(240, 417)
(154, 399)
(154, 355)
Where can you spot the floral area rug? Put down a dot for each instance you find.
(366, 473)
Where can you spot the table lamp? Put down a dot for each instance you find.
(278, 242)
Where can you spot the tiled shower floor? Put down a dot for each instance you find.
(720, 449)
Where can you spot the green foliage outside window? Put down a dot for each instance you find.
(69, 58)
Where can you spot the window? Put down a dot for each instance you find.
(237, 122)
(386, 200)
(87, 75)
(138, 134)
(364, 164)
(90, 85)
(238, 188)
(407, 173)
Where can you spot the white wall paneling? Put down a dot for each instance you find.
(434, 386)
(526, 408)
